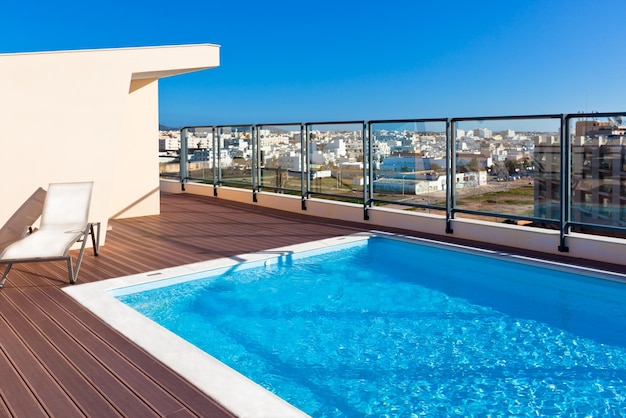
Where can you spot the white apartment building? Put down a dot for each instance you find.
(290, 161)
(381, 149)
(169, 143)
(483, 133)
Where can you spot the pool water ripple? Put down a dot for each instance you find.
(425, 332)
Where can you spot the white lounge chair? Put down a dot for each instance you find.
(64, 221)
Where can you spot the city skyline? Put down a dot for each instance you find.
(283, 62)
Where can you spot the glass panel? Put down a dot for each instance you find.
(508, 167)
(336, 160)
(280, 149)
(235, 155)
(200, 153)
(409, 164)
(598, 146)
(169, 153)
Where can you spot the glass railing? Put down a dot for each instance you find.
(408, 164)
(564, 172)
(335, 163)
(235, 156)
(597, 148)
(281, 163)
(507, 169)
(197, 145)
(169, 165)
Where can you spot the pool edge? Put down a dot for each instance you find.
(234, 391)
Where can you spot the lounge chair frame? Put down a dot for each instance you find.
(92, 229)
(70, 225)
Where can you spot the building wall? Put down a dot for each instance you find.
(141, 187)
(598, 177)
(88, 115)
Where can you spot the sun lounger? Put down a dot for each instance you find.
(64, 222)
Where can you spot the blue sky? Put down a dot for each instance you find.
(290, 61)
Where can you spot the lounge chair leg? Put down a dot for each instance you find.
(74, 272)
(6, 273)
(71, 270)
(95, 238)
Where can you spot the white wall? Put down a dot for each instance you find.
(88, 115)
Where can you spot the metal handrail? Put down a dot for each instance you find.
(368, 198)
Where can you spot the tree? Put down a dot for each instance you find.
(511, 167)
(473, 165)
(436, 167)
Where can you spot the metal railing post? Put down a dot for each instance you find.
(367, 201)
(450, 173)
(256, 173)
(219, 155)
(565, 184)
(367, 168)
(214, 160)
(184, 157)
(304, 159)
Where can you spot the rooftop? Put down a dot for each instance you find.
(58, 359)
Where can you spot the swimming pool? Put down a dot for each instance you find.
(500, 337)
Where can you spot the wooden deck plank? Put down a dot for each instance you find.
(24, 316)
(37, 381)
(108, 371)
(14, 390)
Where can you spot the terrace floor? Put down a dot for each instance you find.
(57, 359)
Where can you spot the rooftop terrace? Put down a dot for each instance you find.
(57, 359)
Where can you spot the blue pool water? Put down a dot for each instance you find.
(390, 328)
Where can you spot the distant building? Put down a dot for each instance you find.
(483, 133)
(411, 184)
(205, 157)
(169, 141)
(291, 161)
(588, 127)
(508, 133)
(476, 160)
(598, 174)
(411, 162)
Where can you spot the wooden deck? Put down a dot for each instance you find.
(57, 359)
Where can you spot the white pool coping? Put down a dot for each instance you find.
(232, 390)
